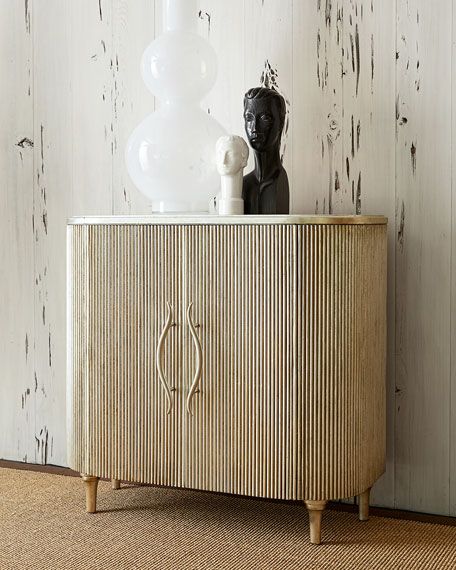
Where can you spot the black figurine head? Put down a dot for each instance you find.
(264, 116)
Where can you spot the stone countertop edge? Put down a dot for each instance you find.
(211, 219)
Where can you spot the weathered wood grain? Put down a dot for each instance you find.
(53, 161)
(423, 255)
(357, 88)
(222, 24)
(92, 68)
(17, 385)
(317, 104)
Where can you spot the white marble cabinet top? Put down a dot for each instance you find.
(204, 219)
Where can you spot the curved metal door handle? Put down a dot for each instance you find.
(160, 344)
(199, 359)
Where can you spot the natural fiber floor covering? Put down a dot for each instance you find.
(43, 526)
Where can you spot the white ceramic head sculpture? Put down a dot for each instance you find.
(231, 154)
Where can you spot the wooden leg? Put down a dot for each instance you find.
(91, 484)
(115, 483)
(363, 501)
(315, 509)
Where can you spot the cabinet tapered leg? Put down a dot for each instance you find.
(91, 485)
(363, 501)
(315, 509)
(115, 483)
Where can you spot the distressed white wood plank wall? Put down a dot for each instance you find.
(92, 69)
(17, 355)
(423, 255)
(222, 23)
(52, 202)
(369, 131)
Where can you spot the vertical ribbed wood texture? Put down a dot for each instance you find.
(292, 328)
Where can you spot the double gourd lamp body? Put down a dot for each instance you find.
(171, 153)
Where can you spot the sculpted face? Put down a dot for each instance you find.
(231, 155)
(263, 125)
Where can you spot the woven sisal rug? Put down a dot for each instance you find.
(43, 525)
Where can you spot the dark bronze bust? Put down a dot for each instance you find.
(265, 190)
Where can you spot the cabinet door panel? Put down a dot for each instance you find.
(242, 435)
(123, 277)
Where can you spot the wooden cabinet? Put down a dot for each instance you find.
(120, 283)
(241, 281)
(235, 354)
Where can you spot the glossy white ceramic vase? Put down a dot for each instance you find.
(171, 154)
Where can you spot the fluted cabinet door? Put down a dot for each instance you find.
(240, 427)
(125, 289)
(341, 319)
